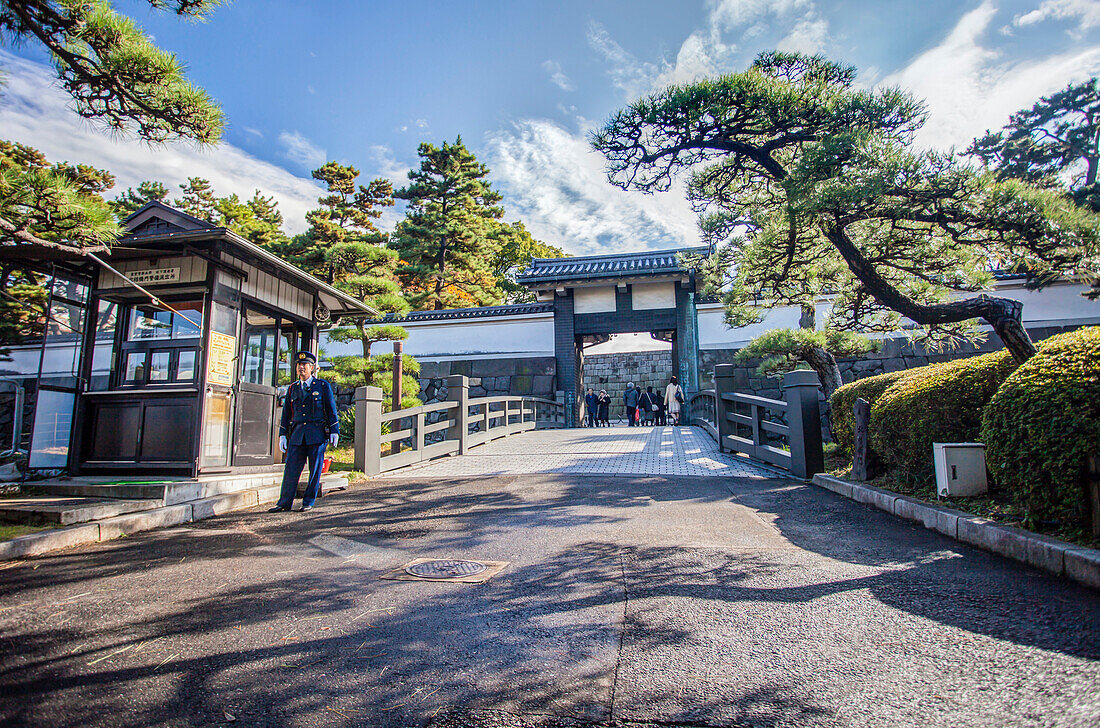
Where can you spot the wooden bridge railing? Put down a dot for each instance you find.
(786, 432)
(421, 433)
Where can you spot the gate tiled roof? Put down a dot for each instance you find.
(623, 265)
(515, 309)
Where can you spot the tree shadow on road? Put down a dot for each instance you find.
(243, 615)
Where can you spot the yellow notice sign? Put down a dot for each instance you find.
(219, 362)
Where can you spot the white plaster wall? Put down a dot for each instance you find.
(713, 333)
(1060, 304)
(648, 296)
(594, 300)
(507, 337)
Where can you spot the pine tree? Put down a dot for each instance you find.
(448, 240)
(198, 200)
(257, 220)
(517, 248)
(822, 175)
(113, 71)
(1059, 136)
(356, 260)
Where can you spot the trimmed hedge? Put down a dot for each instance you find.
(936, 403)
(1043, 423)
(844, 398)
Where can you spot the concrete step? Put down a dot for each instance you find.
(168, 491)
(92, 504)
(156, 516)
(67, 510)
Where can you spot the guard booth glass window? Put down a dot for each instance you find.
(261, 347)
(160, 345)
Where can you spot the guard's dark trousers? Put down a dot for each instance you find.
(296, 457)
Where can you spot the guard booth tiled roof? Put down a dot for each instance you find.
(623, 265)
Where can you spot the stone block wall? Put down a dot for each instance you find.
(536, 376)
(895, 355)
(613, 371)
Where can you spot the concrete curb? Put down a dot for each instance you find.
(34, 544)
(1042, 552)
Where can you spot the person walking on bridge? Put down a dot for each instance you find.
(308, 425)
(591, 404)
(674, 398)
(604, 415)
(647, 404)
(630, 399)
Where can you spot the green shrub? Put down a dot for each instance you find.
(844, 398)
(1043, 423)
(936, 403)
(347, 424)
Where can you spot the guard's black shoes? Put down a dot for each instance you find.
(303, 509)
(278, 509)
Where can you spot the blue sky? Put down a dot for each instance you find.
(524, 82)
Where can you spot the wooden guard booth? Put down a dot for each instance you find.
(189, 383)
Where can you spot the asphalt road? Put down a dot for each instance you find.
(627, 600)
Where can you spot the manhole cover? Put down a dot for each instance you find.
(445, 569)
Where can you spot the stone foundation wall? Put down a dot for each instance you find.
(535, 376)
(895, 355)
(613, 371)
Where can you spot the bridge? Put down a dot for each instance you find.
(734, 434)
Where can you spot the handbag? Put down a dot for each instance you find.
(679, 395)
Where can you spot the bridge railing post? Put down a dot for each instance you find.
(458, 390)
(723, 383)
(368, 430)
(801, 389)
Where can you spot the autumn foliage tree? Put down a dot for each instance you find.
(822, 179)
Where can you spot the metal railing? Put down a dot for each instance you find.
(429, 431)
(786, 432)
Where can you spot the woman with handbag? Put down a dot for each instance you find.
(674, 398)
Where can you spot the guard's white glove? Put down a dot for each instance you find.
(334, 440)
(282, 443)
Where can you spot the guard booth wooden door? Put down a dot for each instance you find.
(268, 343)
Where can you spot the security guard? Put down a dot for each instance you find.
(308, 425)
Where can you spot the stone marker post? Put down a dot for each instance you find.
(1093, 475)
(861, 453)
(368, 430)
(802, 391)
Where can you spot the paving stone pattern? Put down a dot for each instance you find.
(599, 451)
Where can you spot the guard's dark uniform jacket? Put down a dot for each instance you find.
(309, 417)
(309, 414)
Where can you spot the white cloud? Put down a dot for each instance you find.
(35, 112)
(557, 76)
(732, 14)
(1086, 11)
(708, 51)
(969, 88)
(809, 36)
(302, 151)
(555, 183)
(387, 166)
(628, 74)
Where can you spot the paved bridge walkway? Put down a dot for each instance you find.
(599, 451)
